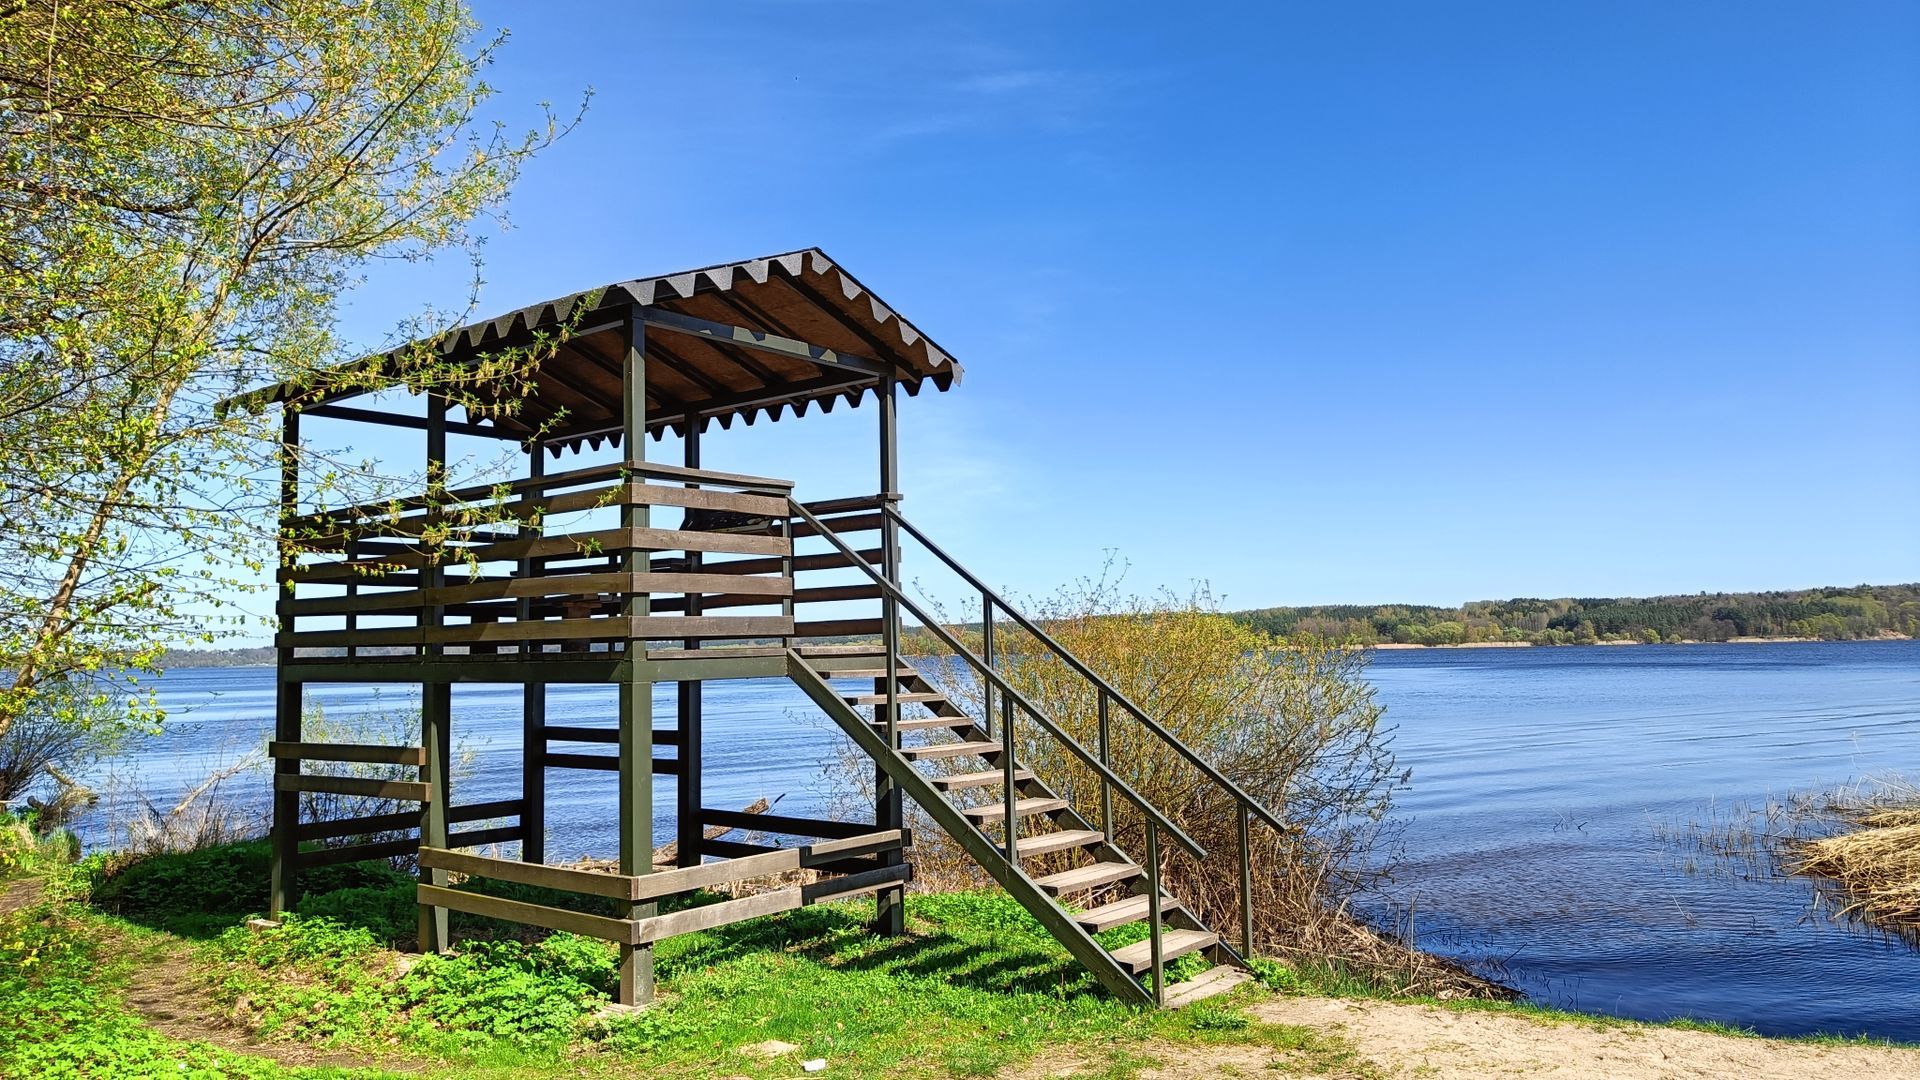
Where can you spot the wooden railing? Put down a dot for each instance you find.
(848, 857)
(1012, 701)
(995, 608)
(384, 789)
(491, 569)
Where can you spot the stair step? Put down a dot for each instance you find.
(990, 778)
(904, 698)
(1138, 956)
(1209, 983)
(922, 723)
(869, 673)
(996, 811)
(947, 750)
(1082, 878)
(1064, 840)
(1121, 912)
(842, 650)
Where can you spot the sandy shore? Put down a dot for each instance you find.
(1402, 1040)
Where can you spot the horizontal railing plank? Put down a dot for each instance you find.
(565, 879)
(544, 586)
(358, 752)
(828, 594)
(727, 912)
(586, 544)
(364, 787)
(830, 560)
(686, 879)
(619, 628)
(852, 523)
(791, 826)
(838, 628)
(623, 931)
(572, 478)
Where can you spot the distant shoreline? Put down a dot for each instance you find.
(189, 660)
(1602, 644)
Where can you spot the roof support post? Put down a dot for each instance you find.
(533, 703)
(636, 684)
(436, 698)
(283, 885)
(889, 811)
(687, 785)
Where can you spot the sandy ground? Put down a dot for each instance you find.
(1409, 1041)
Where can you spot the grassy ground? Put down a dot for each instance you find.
(147, 969)
(975, 989)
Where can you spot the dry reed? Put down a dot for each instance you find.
(1875, 863)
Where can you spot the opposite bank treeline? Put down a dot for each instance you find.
(1833, 614)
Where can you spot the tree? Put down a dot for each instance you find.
(185, 189)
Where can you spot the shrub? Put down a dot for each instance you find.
(390, 913)
(184, 890)
(1295, 725)
(531, 996)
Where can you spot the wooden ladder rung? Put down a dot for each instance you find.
(910, 698)
(1173, 943)
(1209, 983)
(996, 811)
(947, 750)
(924, 723)
(1120, 912)
(989, 778)
(1082, 878)
(1064, 840)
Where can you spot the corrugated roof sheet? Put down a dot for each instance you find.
(799, 294)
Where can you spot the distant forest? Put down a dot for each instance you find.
(1833, 614)
(1836, 614)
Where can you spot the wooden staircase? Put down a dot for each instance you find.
(932, 763)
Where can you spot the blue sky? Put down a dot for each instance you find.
(1315, 302)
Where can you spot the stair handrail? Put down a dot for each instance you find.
(1007, 689)
(1061, 651)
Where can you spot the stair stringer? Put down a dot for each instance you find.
(1008, 875)
(1178, 916)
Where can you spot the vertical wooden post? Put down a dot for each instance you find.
(436, 698)
(1246, 886)
(533, 704)
(687, 787)
(283, 876)
(986, 654)
(889, 811)
(636, 687)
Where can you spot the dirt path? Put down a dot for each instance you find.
(1429, 1043)
(165, 990)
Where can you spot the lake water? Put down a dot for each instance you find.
(1546, 785)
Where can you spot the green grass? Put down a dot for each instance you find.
(975, 988)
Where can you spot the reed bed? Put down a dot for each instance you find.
(1874, 862)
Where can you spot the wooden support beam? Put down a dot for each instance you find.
(365, 787)
(413, 423)
(772, 344)
(752, 907)
(634, 812)
(791, 826)
(282, 872)
(590, 882)
(359, 752)
(621, 931)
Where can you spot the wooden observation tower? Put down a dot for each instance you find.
(638, 572)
